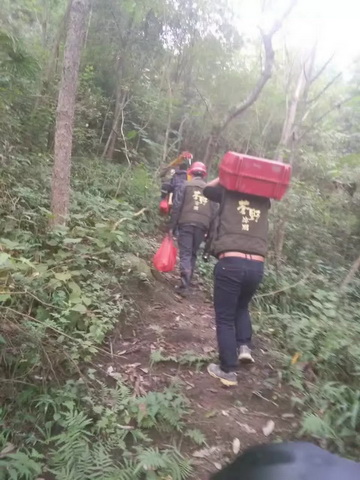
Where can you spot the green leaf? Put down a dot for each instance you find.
(63, 276)
(72, 240)
(131, 134)
(75, 288)
(4, 297)
(4, 257)
(74, 299)
(27, 262)
(11, 245)
(52, 243)
(79, 308)
(317, 304)
(86, 301)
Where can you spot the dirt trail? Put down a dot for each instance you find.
(175, 325)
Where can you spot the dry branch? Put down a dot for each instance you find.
(255, 93)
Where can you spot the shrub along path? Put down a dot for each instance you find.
(173, 341)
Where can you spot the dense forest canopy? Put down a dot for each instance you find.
(277, 79)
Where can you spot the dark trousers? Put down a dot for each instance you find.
(236, 281)
(190, 238)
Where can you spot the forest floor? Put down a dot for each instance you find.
(173, 325)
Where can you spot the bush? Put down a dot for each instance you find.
(62, 292)
(318, 333)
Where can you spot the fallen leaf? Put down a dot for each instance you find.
(236, 446)
(287, 415)
(126, 427)
(225, 413)
(246, 427)
(208, 349)
(217, 465)
(268, 428)
(205, 452)
(211, 414)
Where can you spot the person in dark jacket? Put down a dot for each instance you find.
(179, 175)
(239, 242)
(289, 461)
(191, 215)
(178, 178)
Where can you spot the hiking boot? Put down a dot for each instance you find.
(245, 355)
(183, 288)
(183, 292)
(229, 379)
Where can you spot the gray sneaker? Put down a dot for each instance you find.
(228, 379)
(245, 355)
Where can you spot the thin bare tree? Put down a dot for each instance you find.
(238, 110)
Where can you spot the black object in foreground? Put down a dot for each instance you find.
(289, 461)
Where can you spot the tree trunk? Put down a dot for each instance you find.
(109, 148)
(297, 103)
(289, 123)
(60, 185)
(168, 125)
(53, 60)
(211, 149)
(288, 142)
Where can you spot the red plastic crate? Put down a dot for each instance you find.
(255, 176)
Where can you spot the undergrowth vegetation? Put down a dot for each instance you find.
(61, 293)
(317, 331)
(155, 79)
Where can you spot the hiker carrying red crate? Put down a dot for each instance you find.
(239, 240)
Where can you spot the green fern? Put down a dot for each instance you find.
(196, 436)
(161, 409)
(314, 425)
(168, 462)
(19, 466)
(152, 459)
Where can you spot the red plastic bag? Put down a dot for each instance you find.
(164, 206)
(165, 258)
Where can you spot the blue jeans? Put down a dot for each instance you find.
(236, 281)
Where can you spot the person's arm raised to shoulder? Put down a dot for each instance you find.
(213, 191)
(214, 183)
